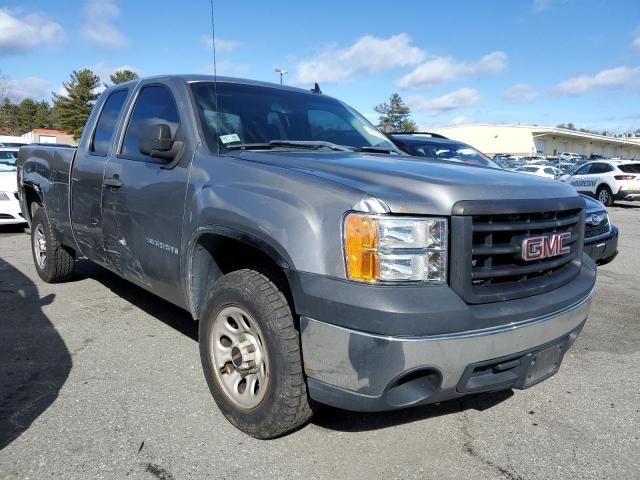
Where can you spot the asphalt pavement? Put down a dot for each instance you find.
(99, 379)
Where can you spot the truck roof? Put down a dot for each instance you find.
(192, 78)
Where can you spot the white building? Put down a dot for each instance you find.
(531, 139)
(47, 135)
(12, 139)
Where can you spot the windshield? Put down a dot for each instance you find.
(8, 161)
(454, 152)
(250, 114)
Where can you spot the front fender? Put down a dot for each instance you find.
(299, 216)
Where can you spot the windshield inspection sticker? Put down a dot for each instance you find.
(232, 137)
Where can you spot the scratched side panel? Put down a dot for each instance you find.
(46, 169)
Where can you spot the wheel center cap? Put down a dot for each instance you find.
(236, 357)
(246, 355)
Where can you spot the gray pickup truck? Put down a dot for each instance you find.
(323, 265)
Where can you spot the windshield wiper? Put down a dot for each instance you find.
(249, 146)
(374, 150)
(316, 144)
(306, 144)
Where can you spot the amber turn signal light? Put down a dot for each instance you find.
(361, 244)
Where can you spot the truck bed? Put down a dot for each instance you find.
(51, 166)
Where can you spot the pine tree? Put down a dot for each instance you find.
(8, 117)
(123, 76)
(44, 116)
(394, 115)
(73, 108)
(26, 114)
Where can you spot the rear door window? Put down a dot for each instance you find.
(598, 168)
(103, 134)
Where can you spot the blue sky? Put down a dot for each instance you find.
(526, 61)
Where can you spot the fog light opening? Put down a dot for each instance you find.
(413, 387)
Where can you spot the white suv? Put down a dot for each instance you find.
(607, 180)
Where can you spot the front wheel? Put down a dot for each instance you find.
(251, 356)
(53, 262)
(605, 196)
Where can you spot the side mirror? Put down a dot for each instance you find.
(156, 141)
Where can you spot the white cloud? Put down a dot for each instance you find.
(20, 35)
(619, 77)
(521, 93)
(30, 87)
(367, 55)
(100, 28)
(464, 97)
(222, 45)
(541, 5)
(445, 69)
(459, 120)
(636, 42)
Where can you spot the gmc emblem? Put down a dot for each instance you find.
(537, 248)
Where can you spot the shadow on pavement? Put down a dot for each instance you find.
(34, 360)
(346, 421)
(169, 314)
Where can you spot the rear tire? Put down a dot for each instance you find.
(251, 356)
(605, 196)
(54, 263)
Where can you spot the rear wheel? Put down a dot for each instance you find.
(53, 262)
(251, 356)
(605, 196)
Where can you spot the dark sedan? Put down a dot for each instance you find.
(439, 147)
(600, 235)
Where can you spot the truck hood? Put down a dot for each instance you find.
(413, 184)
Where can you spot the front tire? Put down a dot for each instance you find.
(605, 196)
(251, 356)
(53, 262)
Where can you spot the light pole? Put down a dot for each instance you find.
(282, 73)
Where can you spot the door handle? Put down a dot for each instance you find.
(113, 182)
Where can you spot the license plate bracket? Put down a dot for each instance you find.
(540, 365)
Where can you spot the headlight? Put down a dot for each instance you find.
(4, 196)
(395, 249)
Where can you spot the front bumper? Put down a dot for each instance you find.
(602, 248)
(367, 372)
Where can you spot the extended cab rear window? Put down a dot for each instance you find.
(107, 122)
(630, 168)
